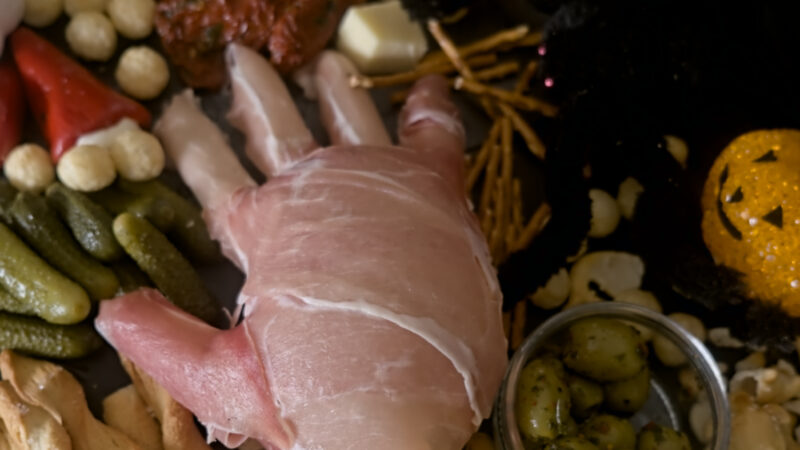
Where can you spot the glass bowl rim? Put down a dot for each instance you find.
(506, 433)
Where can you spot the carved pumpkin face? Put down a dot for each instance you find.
(751, 214)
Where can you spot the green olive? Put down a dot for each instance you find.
(657, 437)
(586, 395)
(543, 401)
(604, 350)
(609, 432)
(571, 443)
(628, 396)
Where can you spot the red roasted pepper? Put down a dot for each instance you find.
(65, 98)
(12, 107)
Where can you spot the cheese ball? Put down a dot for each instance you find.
(91, 36)
(28, 168)
(42, 13)
(137, 155)
(86, 168)
(132, 18)
(73, 7)
(142, 73)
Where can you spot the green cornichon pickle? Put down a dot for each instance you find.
(543, 401)
(89, 222)
(40, 226)
(156, 210)
(7, 195)
(163, 263)
(29, 279)
(130, 276)
(39, 338)
(11, 304)
(189, 231)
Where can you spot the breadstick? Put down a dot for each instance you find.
(534, 226)
(484, 45)
(532, 140)
(483, 156)
(525, 77)
(419, 72)
(496, 72)
(516, 100)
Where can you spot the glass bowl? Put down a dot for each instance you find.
(660, 406)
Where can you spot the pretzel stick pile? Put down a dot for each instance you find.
(469, 68)
(500, 201)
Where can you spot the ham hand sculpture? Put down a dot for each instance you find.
(371, 311)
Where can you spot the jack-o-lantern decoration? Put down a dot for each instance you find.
(751, 217)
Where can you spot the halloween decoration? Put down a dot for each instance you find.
(751, 214)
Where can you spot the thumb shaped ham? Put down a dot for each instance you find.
(371, 311)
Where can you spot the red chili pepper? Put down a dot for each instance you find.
(65, 98)
(12, 107)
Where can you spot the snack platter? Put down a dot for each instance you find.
(570, 205)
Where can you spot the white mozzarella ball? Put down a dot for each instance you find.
(91, 36)
(42, 13)
(29, 168)
(73, 7)
(137, 155)
(132, 18)
(142, 73)
(86, 168)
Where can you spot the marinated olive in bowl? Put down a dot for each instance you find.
(583, 380)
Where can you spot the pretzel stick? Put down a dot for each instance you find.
(518, 324)
(499, 71)
(531, 40)
(515, 213)
(486, 44)
(525, 77)
(504, 209)
(487, 74)
(515, 100)
(497, 235)
(487, 219)
(483, 156)
(535, 145)
(419, 72)
(517, 208)
(491, 176)
(534, 226)
(450, 49)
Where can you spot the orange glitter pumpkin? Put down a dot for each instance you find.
(751, 214)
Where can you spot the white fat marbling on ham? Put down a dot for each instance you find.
(371, 308)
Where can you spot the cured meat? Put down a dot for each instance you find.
(195, 33)
(371, 312)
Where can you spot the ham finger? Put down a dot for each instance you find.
(348, 113)
(264, 111)
(431, 124)
(196, 145)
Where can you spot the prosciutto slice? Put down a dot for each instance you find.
(371, 312)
